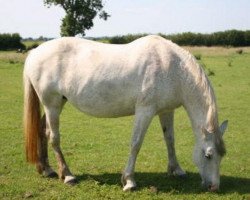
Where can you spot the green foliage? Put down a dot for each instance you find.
(232, 38)
(10, 41)
(188, 39)
(125, 39)
(227, 38)
(79, 15)
(247, 38)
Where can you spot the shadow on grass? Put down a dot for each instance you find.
(161, 182)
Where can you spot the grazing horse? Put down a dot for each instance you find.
(150, 76)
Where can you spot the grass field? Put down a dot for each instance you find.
(97, 149)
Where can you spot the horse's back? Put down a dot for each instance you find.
(101, 79)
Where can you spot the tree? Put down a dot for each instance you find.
(11, 41)
(79, 15)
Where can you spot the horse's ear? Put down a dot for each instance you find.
(223, 127)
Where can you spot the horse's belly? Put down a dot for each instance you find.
(107, 111)
(101, 101)
(98, 108)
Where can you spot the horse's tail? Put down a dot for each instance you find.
(32, 117)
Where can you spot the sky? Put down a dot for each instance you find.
(30, 18)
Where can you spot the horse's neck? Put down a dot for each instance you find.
(202, 116)
(199, 99)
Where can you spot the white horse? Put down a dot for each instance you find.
(150, 76)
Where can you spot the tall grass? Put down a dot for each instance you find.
(12, 57)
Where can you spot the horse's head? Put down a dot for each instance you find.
(207, 156)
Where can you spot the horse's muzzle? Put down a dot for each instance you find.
(211, 187)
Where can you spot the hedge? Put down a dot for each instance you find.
(11, 41)
(233, 38)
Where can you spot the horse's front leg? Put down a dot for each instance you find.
(143, 117)
(167, 124)
(52, 115)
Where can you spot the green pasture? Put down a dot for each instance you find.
(97, 149)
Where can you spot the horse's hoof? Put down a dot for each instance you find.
(178, 172)
(129, 187)
(51, 175)
(70, 180)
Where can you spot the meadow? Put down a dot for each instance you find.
(97, 149)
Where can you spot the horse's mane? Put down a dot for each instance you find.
(207, 94)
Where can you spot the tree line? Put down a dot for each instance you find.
(234, 38)
(11, 41)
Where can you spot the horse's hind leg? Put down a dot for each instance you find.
(143, 117)
(52, 114)
(43, 166)
(167, 124)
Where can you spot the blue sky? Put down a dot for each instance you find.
(31, 18)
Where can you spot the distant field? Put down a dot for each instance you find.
(97, 149)
(30, 42)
